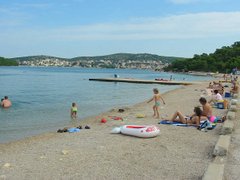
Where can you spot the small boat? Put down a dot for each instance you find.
(145, 131)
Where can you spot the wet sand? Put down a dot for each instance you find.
(177, 153)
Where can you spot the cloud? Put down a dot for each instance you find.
(186, 26)
(172, 27)
(11, 17)
(17, 14)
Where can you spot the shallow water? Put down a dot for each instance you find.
(42, 96)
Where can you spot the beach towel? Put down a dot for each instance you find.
(167, 122)
(202, 124)
(73, 130)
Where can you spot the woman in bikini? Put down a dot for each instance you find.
(192, 120)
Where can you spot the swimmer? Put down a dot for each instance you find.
(6, 103)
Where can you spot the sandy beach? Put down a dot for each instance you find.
(177, 153)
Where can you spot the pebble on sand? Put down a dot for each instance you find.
(7, 165)
(64, 152)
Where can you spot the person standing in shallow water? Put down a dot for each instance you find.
(74, 110)
(6, 103)
(156, 97)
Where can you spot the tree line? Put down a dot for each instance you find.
(222, 60)
(7, 62)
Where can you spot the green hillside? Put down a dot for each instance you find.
(129, 57)
(35, 58)
(222, 60)
(7, 62)
(112, 57)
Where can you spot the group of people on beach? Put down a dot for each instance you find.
(5, 102)
(197, 116)
(194, 119)
(199, 113)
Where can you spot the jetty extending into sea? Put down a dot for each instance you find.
(128, 80)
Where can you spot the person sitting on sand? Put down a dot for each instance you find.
(74, 110)
(156, 97)
(6, 103)
(218, 86)
(216, 97)
(206, 108)
(210, 86)
(192, 120)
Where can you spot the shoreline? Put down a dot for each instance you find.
(81, 121)
(84, 120)
(95, 153)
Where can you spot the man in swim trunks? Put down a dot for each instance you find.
(156, 97)
(206, 108)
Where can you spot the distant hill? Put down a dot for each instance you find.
(129, 57)
(119, 60)
(35, 58)
(7, 62)
(112, 57)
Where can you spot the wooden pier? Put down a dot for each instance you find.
(126, 80)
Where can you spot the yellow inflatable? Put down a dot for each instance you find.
(140, 116)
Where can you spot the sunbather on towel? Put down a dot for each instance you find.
(192, 120)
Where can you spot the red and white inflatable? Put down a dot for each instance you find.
(145, 131)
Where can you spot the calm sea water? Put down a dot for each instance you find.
(42, 96)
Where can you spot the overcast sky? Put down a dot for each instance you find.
(70, 28)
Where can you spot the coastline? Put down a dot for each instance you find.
(117, 156)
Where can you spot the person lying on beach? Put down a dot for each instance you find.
(6, 103)
(74, 111)
(194, 119)
(156, 97)
(216, 97)
(206, 108)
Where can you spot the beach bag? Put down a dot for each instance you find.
(206, 125)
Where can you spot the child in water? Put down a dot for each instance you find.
(156, 97)
(74, 110)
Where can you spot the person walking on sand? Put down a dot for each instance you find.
(156, 97)
(6, 103)
(74, 110)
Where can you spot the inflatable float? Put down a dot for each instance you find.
(144, 131)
